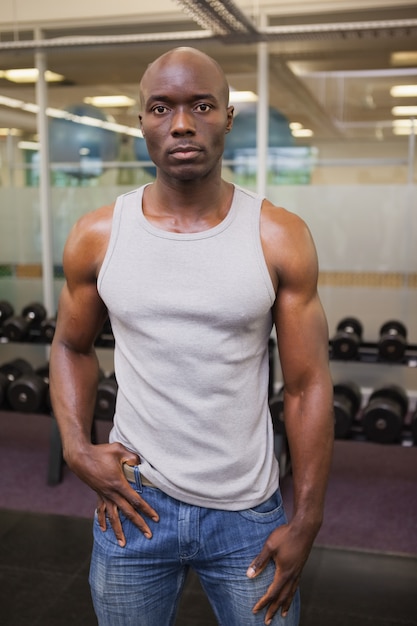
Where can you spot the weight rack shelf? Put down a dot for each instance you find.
(368, 353)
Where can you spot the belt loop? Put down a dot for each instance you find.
(137, 478)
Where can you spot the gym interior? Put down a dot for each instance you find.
(325, 95)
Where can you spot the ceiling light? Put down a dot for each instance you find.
(302, 132)
(404, 110)
(403, 123)
(28, 145)
(404, 127)
(404, 58)
(400, 130)
(29, 75)
(236, 97)
(403, 91)
(295, 125)
(110, 101)
(5, 132)
(13, 103)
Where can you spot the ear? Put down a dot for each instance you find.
(230, 112)
(141, 125)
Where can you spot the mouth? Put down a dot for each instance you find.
(185, 152)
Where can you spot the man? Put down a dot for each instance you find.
(193, 273)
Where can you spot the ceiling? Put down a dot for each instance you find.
(329, 71)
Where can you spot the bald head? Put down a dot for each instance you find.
(180, 60)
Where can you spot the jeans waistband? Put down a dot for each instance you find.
(131, 475)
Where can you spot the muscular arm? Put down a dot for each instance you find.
(308, 398)
(308, 401)
(74, 376)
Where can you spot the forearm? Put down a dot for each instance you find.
(73, 385)
(310, 430)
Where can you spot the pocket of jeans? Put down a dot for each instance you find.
(270, 509)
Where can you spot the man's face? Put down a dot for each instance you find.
(185, 116)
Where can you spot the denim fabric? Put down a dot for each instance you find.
(140, 584)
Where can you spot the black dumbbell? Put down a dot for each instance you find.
(47, 329)
(9, 372)
(15, 368)
(383, 417)
(106, 398)
(347, 340)
(17, 328)
(347, 398)
(6, 311)
(276, 407)
(392, 342)
(27, 394)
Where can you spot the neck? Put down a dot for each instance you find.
(187, 206)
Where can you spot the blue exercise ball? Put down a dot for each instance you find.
(71, 141)
(243, 135)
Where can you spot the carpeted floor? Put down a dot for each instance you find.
(371, 502)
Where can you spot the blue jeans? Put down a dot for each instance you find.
(140, 584)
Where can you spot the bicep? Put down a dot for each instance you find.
(81, 311)
(81, 315)
(300, 321)
(302, 337)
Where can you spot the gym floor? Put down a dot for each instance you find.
(339, 587)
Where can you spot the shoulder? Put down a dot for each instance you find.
(88, 240)
(288, 245)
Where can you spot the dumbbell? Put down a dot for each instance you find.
(27, 394)
(383, 417)
(347, 340)
(106, 398)
(15, 368)
(10, 372)
(47, 329)
(6, 311)
(17, 328)
(347, 398)
(392, 342)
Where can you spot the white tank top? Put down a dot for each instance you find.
(191, 316)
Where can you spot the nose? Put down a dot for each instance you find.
(182, 123)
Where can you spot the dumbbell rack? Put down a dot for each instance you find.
(368, 353)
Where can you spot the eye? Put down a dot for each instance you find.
(203, 107)
(160, 109)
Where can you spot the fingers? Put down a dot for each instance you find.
(139, 504)
(274, 603)
(281, 591)
(101, 514)
(108, 511)
(259, 563)
(132, 506)
(114, 519)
